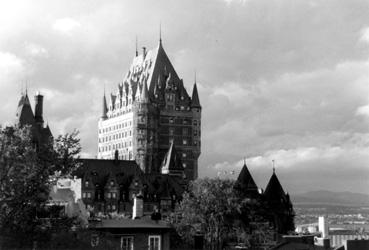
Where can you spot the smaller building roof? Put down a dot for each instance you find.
(274, 190)
(245, 184)
(144, 222)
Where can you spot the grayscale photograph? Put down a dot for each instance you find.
(184, 125)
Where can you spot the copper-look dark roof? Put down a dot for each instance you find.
(100, 171)
(245, 184)
(24, 112)
(25, 116)
(144, 222)
(274, 190)
(195, 97)
(104, 108)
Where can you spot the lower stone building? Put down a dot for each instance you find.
(128, 234)
(109, 186)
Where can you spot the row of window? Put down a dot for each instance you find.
(115, 127)
(184, 132)
(109, 195)
(121, 145)
(185, 121)
(119, 113)
(127, 242)
(116, 136)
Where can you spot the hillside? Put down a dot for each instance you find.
(331, 198)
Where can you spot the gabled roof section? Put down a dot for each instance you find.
(274, 190)
(195, 97)
(101, 170)
(24, 112)
(146, 68)
(245, 184)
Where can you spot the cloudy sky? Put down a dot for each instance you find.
(285, 80)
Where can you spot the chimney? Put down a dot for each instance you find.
(144, 52)
(137, 206)
(38, 108)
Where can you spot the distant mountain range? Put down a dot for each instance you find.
(324, 197)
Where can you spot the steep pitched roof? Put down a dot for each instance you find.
(104, 108)
(172, 162)
(100, 171)
(245, 184)
(274, 190)
(24, 112)
(149, 67)
(195, 97)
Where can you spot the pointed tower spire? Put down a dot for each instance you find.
(160, 33)
(245, 184)
(24, 115)
(274, 190)
(195, 97)
(136, 47)
(273, 166)
(105, 107)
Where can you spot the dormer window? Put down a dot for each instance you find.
(111, 183)
(86, 183)
(182, 98)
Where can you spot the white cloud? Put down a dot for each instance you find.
(36, 50)
(363, 110)
(11, 66)
(364, 35)
(66, 25)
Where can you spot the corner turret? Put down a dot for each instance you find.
(195, 103)
(104, 109)
(245, 184)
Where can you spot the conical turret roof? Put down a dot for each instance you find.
(104, 108)
(195, 97)
(274, 190)
(245, 184)
(24, 111)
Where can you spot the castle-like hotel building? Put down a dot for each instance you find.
(150, 113)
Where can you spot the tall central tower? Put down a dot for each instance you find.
(150, 110)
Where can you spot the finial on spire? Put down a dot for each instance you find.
(273, 166)
(244, 160)
(195, 75)
(160, 32)
(136, 47)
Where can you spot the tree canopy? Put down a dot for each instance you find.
(208, 207)
(26, 175)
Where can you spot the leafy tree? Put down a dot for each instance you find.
(210, 207)
(25, 180)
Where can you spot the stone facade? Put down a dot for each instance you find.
(151, 109)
